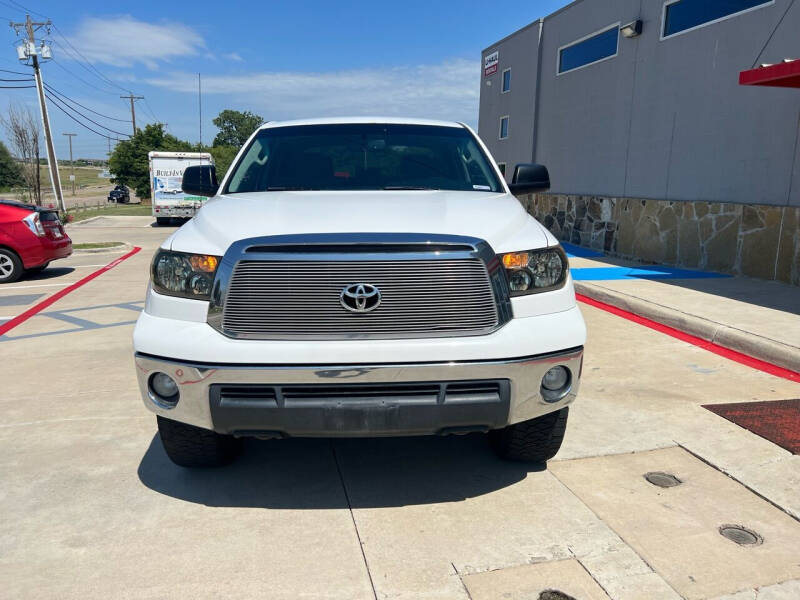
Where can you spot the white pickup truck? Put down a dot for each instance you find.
(360, 277)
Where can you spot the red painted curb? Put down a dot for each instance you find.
(733, 355)
(19, 319)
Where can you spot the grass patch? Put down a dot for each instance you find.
(83, 176)
(94, 245)
(113, 210)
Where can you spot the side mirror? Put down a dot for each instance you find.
(200, 180)
(529, 178)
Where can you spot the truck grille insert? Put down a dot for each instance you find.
(301, 299)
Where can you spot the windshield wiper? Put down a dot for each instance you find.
(408, 187)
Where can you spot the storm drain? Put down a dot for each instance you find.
(662, 480)
(741, 535)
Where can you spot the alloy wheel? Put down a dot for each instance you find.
(6, 266)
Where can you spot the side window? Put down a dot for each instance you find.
(503, 128)
(589, 50)
(685, 15)
(506, 81)
(502, 167)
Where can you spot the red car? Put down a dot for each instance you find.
(30, 237)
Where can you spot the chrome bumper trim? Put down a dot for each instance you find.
(195, 379)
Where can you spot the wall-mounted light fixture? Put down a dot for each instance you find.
(632, 29)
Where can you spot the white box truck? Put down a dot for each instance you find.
(166, 173)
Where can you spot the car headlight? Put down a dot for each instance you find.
(535, 271)
(184, 275)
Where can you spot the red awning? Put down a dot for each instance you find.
(785, 74)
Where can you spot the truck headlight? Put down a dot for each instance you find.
(535, 271)
(184, 275)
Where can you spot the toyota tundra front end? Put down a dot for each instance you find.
(360, 277)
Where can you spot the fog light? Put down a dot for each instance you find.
(164, 390)
(556, 384)
(555, 379)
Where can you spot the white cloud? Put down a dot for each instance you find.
(448, 90)
(233, 56)
(124, 41)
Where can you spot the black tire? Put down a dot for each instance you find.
(163, 221)
(537, 440)
(190, 446)
(39, 269)
(11, 267)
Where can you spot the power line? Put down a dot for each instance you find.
(55, 103)
(17, 4)
(91, 85)
(93, 68)
(85, 64)
(68, 99)
(56, 97)
(13, 72)
(150, 111)
(7, 5)
(16, 87)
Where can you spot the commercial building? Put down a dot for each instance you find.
(655, 150)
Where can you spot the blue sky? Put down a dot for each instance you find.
(280, 60)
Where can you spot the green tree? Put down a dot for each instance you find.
(128, 163)
(10, 171)
(235, 127)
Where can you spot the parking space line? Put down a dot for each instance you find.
(24, 287)
(82, 323)
(67, 316)
(36, 308)
(733, 355)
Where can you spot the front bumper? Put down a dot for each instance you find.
(263, 410)
(183, 211)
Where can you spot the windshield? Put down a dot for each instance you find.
(363, 157)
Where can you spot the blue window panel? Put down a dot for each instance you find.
(507, 80)
(686, 14)
(590, 50)
(503, 128)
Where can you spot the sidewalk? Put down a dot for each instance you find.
(758, 318)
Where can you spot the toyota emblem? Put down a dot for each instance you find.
(360, 297)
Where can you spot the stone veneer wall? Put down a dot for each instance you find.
(744, 239)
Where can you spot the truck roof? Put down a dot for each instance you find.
(158, 154)
(361, 120)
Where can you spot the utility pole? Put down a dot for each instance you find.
(30, 51)
(71, 164)
(133, 98)
(200, 106)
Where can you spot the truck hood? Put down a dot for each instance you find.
(497, 218)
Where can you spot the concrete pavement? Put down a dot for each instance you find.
(93, 508)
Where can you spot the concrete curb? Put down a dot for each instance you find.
(83, 222)
(125, 247)
(745, 342)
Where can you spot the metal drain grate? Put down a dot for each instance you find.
(741, 535)
(662, 480)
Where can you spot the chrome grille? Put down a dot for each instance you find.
(284, 299)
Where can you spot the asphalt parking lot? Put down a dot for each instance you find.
(92, 507)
